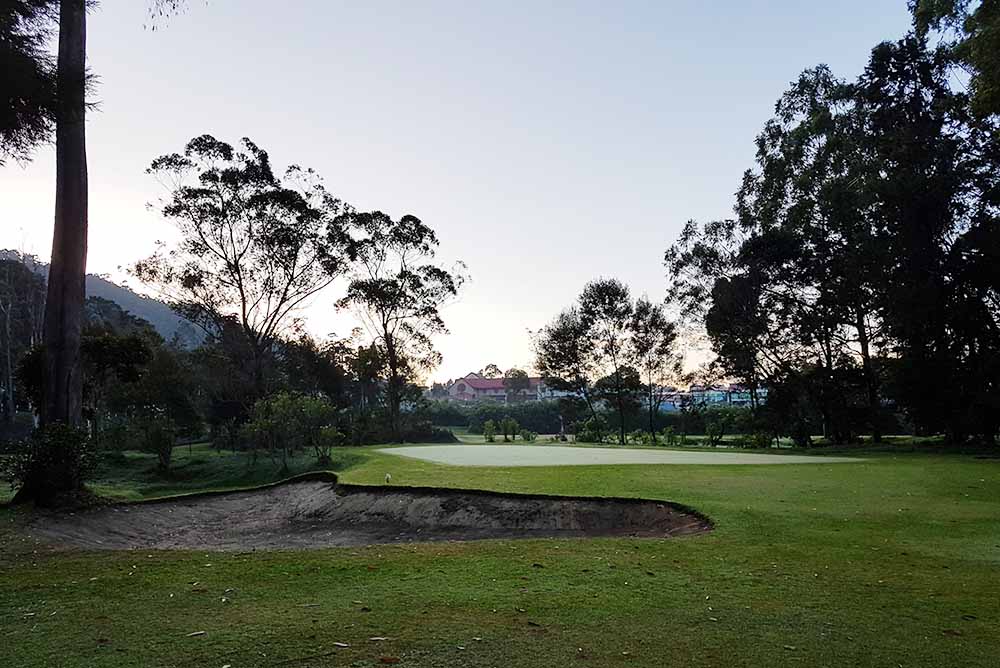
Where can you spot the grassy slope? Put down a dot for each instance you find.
(895, 561)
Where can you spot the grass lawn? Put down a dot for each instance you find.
(890, 562)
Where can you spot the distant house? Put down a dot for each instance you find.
(473, 387)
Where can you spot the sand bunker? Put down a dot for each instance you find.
(311, 513)
(561, 455)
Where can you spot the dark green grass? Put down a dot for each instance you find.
(132, 476)
(894, 561)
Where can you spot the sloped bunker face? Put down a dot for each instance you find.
(319, 513)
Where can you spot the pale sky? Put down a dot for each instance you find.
(546, 143)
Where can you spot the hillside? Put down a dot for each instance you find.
(166, 322)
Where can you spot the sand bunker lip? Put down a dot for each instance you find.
(316, 511)
(561, 455)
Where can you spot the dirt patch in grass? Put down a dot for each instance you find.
(312, 512)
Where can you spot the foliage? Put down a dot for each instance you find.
(611, 350)
(285, 423)
(973, 36)
(606, 311)
(155, 433)
(28, 96)
(422, 431)
(54, 461)
(316, 427)
(715, 428)
(398, 294)
(253, 246)
(856, 268)
(539, 416)
(528, 436)
(509, 428)
(491, 371)
(651, 344)
(623, 393)
(22, 303)
(309, 366)
(515, 383)
(593, 430)
(110, 361)
(157, 404)
(757, 440)
(449, 413)
(640, 437)
(489, 431)
(564, 356)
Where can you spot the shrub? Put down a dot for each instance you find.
(538, 416)
(273, 427)
(54, 459)
(509, 427)
(757, 440)
(669, 436)
(528, 436)
(490, 431)
(114, 435)
(640, 437)
(314, 428)
(422, 431)
(715, 427)
(447, 413)
(324, 441)
(156, 434)
(286, 422)
(593, 430)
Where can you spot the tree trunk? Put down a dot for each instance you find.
(9, 370)
(64, 304)
(621, 419)
(393, 390)
(871, 382)
(652, 407)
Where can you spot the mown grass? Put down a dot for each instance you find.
(892, 561)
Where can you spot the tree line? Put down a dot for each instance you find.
(254, 247)
(859, 275)
(859, 279)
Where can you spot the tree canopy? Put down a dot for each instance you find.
(254, 246)
(398, 293)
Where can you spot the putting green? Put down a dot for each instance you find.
(555, 455)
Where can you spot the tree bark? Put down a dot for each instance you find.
(871, 382)
(621, 416)
(652, 427)
(11, 404)
(67, 271)
(393, 389)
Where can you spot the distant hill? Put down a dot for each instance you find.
(166, 322)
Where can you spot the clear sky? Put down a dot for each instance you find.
(546, 143)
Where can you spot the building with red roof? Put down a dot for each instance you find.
(472, 387)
